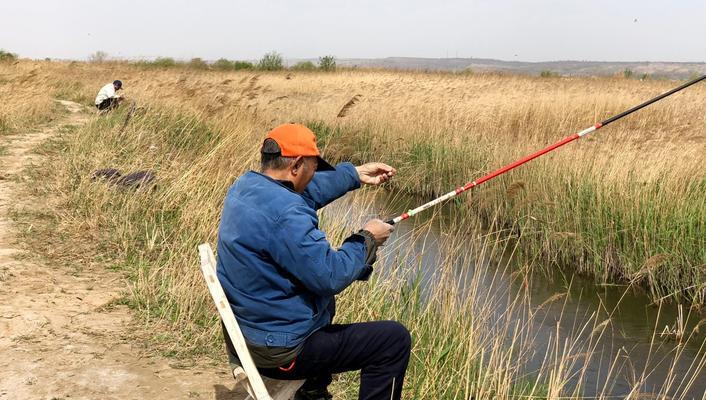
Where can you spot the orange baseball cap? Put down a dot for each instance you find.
(297, 140)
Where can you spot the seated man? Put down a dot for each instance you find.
(280, 274)
(107, 97)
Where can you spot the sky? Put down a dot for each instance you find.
(515, 30)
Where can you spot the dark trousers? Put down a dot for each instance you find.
(107, 103)
(379, 349)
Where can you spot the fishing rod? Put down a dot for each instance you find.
(532, 156)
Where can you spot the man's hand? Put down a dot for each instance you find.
(375, 173)
(380, 230)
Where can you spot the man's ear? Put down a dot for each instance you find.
(298, 165)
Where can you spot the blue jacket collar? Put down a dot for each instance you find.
(286, 184)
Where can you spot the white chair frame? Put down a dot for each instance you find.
(247, 375)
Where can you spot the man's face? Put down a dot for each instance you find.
(116, 87)
(305, 174)
(311, 164)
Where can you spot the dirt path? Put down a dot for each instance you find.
(56, 340)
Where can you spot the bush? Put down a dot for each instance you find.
(548, 74)
(7, 56)
(270, 62)
(627, 73)
(163, 62)
(197, 63)
(304, 66)
(327, 63)
(243, 65)
(98, 57)
(159, 62)
(223, 64)
(228, 65)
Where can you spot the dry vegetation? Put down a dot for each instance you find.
(625, 205)
(27, 98)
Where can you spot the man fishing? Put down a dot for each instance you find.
(280, 273)
(108, 98)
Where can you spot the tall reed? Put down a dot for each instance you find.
(200, 131)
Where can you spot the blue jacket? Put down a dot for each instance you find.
(276, 267)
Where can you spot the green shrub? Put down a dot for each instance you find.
(327, 63)
(163, 62)
(304, 66)
(271, 61)
(197, 63)
(223, 64)
(237, 65)
(7, 56)
(627, 73)
(548, 74)
(159, 62)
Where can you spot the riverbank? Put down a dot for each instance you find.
(64, 330)
(629, 223)
(199, 131)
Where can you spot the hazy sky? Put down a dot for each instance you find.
(530, 30)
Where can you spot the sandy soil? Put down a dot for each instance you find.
(57, 341)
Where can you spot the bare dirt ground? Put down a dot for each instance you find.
(57, 340)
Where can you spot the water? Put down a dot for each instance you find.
(631, 343)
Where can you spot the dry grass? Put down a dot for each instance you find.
(27, 97)
(199, 131)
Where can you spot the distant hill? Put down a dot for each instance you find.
(580, 68)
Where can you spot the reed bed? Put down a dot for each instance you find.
(604, 207)
(27, 97)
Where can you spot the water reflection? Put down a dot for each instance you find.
(629, 349)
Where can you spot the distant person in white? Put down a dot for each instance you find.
(107, 97)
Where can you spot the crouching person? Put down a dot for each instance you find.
(108, 97)
(280, 274)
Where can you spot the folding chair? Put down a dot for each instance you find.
(247, 374)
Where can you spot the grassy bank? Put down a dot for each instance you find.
(26, 93)
(465, 342)
(199, 131)
(151, 235)
(626, 223)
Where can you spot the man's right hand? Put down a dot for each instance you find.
(380, 230)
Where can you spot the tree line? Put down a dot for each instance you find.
(272, 61)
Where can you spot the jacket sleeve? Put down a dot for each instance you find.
(327, 186)
(301, 249)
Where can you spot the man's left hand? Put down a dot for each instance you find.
(375, 173)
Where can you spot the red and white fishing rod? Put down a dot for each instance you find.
(532, 156)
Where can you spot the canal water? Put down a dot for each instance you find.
(630, 346)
